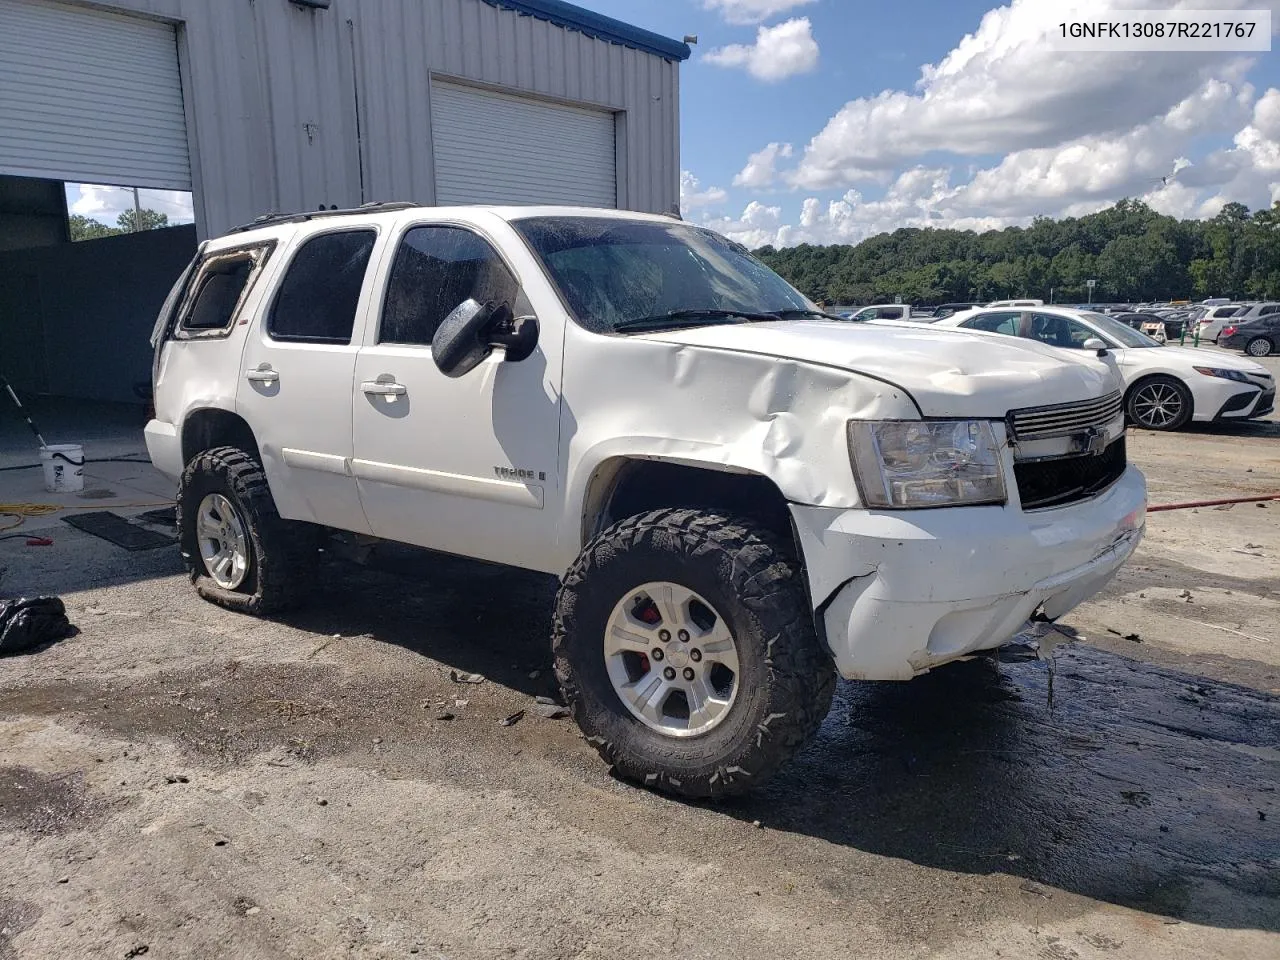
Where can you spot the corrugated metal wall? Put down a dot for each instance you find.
(271, 95)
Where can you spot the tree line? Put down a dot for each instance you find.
(1133, 253)
(85, 228)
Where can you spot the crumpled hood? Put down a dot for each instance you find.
(948, 373)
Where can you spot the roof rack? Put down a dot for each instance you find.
(270, 219)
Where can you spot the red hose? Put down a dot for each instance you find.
(1212, 503)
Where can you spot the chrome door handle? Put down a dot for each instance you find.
(384, 388)
(263, 374)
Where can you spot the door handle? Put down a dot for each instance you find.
(263, 374)
(384, 388)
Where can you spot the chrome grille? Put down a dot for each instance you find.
(1063, 419)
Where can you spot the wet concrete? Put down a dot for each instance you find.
(1137, 782)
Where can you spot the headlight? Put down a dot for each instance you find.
(903, 464)
(1224, 374)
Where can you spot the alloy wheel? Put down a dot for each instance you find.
(224, 544)
(672, 660)
(1157, 405)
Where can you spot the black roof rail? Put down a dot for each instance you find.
(270, 219)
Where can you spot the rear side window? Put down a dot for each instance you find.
(436, 270)
(218, 293)
(215, 295)
(318, 296)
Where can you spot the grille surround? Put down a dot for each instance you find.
(1044, 484)
(1064, 419)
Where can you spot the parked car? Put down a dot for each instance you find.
(883, 311)
(947, 309)
(738, 494)
(1017, 303)
(1166, 387)
(1215, 319)
(1259, 337)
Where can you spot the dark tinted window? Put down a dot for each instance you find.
(318, 296)
(218, 291)
(436, 270)
(1006, 323)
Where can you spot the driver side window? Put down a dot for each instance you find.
(1006, 323)
(436, 270)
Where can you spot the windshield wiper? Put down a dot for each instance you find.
(691, 318)
(822, 314)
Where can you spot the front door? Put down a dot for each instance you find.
(465, 465)
(295, 389)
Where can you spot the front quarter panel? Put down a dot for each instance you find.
(786, 420)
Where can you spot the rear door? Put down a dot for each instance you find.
(463, 465)
(296, 375)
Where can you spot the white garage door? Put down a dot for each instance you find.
(496, 148)
(90, 97)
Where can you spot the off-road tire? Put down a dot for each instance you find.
(754, 581)
(284, 554)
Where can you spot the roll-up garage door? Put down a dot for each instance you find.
(496, 148)
(90, 97)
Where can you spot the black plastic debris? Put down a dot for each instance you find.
(26, 623)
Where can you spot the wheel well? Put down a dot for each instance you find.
(626, 487)
(206, 429)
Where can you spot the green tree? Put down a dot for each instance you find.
(83, 228)
(133, 221)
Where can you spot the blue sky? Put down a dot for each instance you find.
(1002, 129)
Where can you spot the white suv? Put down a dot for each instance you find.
(741, 495)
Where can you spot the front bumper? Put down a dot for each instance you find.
(902, 592)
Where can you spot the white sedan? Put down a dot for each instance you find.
(1165, 386)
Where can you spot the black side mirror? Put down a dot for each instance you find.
(473, 330)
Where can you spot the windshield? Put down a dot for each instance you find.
(1125, 334)
(613, 273)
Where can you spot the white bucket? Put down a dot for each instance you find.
(63, 467)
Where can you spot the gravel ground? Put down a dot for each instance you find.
(188, 782)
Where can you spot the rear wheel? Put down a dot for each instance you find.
(686, 649)
(1159, 403)
(239, 552)
(1259, 347)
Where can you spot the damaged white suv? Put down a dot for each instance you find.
(742, 496)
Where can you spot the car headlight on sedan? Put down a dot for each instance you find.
(1236, 375)
(910, 464)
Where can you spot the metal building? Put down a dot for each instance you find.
(258, 106)
(263, 105)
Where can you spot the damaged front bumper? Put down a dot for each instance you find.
(902, 592)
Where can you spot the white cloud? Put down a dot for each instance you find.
(757, 226)
(692, 196)
(761, 168)
(105, 204)
(1102, 169)
(779, 52)
(1002, 89)
(752, 11)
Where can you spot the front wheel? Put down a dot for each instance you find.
(686, 649)
(1259, 347)
(1160, 403)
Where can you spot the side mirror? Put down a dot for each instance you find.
(472, 330)
(1098, 344)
